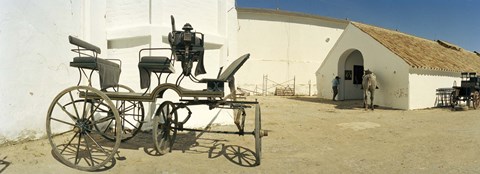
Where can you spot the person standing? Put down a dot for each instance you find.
(335, 83)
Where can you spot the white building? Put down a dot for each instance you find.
(409, 69)
(36, 53)
(284, 45)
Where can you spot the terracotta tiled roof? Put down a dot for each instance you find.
(423, 53)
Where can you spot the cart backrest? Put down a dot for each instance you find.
(233, 68)
(83, 44)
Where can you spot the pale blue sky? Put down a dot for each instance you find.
(455, 21)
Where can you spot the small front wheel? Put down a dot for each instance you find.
(476, 99)
(164, 127)
(453, 99)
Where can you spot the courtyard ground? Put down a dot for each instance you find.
(307, 135)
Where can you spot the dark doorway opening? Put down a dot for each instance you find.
(357, 74)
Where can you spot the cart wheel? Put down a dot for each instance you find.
(453, 99)
(476, 99)
(258, 133)
(164, 127)
(70, 128)
(131, 116)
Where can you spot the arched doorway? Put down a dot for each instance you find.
(350, 66)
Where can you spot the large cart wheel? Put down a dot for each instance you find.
(258, 133)
(70, 128)
(453, 99)
(164, 127)
(132, 115)
(476, 99)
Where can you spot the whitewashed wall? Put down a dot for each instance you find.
(284, 45)
(424, 83)
(132, 25)
(391, 71)
(35, 58)
(36, 53)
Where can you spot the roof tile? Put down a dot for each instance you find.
(423, 53)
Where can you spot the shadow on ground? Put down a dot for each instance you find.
(4, 164)
(193, 143)
(187, 142)
(339, 104)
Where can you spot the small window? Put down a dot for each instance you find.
(348, 74)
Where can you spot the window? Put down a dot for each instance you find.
(348, 74)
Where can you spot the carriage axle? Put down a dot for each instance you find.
(240, 133)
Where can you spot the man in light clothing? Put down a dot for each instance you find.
(335, 83)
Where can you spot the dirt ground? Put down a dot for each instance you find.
(307, 135)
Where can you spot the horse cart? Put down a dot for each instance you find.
(468, 91)
(86, 125)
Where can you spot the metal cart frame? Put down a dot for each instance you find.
(85, 125)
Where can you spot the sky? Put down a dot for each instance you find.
(454, 21)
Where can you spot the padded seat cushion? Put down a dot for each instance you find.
(156, 64)
(91, 63)
(109, 71)
(155, 59)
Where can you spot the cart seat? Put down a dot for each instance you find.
(155, 64)
(109, 71)
(91, 63)
(158, 64)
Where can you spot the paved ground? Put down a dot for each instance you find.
(308, 135)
